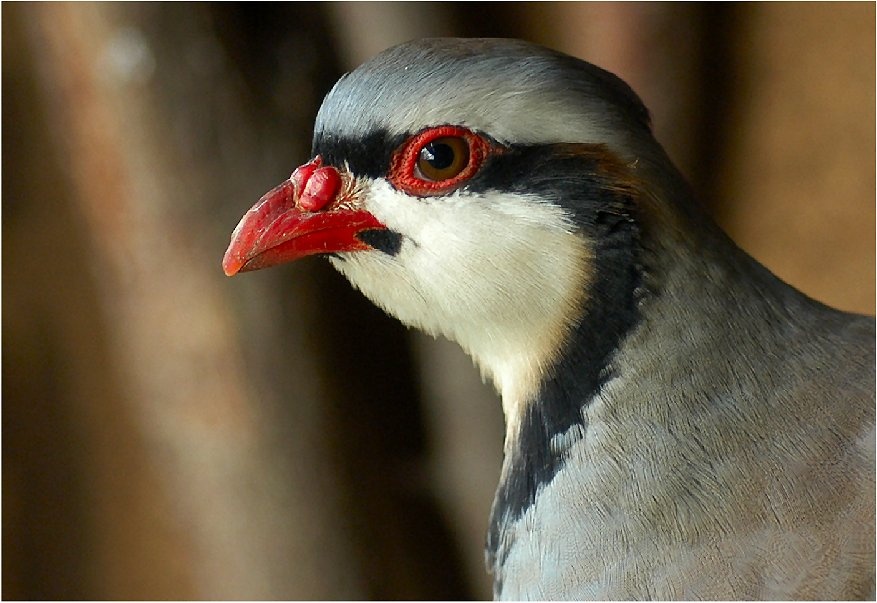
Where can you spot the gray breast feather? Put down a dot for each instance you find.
(756, 481)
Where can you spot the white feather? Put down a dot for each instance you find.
(501, 274)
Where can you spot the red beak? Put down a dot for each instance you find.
(310, 213)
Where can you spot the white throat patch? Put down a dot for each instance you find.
(502, 274)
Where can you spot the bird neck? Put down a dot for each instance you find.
(695, 298)
(640, 306)
(541, 428)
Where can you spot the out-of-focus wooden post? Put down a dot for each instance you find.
(257, 506)
(799, 176)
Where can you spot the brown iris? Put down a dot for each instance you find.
(443, 158)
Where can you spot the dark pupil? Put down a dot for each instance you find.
(438, 155)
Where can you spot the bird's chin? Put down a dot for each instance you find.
(385, 281)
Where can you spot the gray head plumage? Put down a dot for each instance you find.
(495, 86)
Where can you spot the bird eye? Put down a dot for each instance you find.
(437, 160)
(443, 158)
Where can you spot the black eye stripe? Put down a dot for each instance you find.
(369, 155)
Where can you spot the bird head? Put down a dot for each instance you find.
(484, 190)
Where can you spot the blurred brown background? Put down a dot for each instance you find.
(170, 433)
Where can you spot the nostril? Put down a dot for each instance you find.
(320, 189)
(303, 173)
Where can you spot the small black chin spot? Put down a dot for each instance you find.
(382, 239)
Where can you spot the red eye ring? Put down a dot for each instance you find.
(403, 174)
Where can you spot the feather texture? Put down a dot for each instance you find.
(679, 422)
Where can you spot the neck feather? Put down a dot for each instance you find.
(553, 415)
